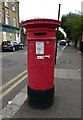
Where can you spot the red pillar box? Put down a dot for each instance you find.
(41, 52)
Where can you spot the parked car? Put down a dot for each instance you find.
(18, 46)
(62, 42)
(11, 46)
(21, 46)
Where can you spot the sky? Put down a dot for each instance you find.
(30, 9)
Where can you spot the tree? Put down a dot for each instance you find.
(73, 26)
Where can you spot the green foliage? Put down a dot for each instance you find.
(73, 25)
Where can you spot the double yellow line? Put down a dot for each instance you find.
(14, 85)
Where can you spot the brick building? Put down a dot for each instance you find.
(9, 20)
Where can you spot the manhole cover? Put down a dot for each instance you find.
(67, 61)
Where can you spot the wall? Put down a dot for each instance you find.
(1, 38)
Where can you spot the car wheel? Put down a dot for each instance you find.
(2, 50)
(13, 49)
(22, 47)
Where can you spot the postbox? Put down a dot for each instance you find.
(41, 43)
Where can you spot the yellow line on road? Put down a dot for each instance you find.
(12, 87)
(12, 80)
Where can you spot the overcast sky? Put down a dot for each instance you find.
(30, 9)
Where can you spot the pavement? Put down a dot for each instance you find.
(67, 100)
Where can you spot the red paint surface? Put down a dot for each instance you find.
(41, 71)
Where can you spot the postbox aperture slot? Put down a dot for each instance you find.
(39, 33)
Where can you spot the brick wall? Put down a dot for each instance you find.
(10, 35)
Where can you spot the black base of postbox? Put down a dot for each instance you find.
(40, 99)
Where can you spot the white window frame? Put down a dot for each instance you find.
(13, 7)
(10, 35)
(14, 21)
(6, 3)
(6, 19)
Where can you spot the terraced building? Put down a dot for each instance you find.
(9, 20)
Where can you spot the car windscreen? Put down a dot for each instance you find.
(15, 43)
(6, 42)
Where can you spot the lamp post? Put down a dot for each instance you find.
(57, 32)
(59, 11)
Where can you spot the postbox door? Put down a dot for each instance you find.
(41, 64)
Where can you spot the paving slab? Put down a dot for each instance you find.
(67, 102)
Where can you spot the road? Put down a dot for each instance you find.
(14, 73)
(14, 65)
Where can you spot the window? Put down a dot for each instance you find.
(14, 22)
(10, 35)
(4, 36)
(6, 3)
(0, 17)
(7, 19)
(13, 6)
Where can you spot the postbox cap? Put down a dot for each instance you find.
(41, 22)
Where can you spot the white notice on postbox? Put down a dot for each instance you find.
(39, 47)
